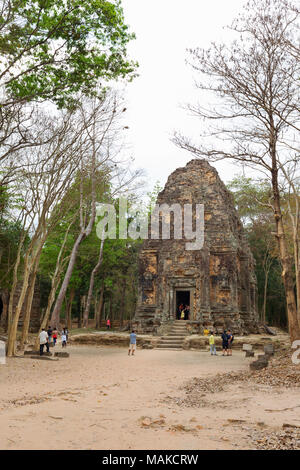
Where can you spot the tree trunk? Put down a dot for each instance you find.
(91, 286)
(111, 310)
(5, 302)
(55, 317)
(14, 285)
(30, 294)
(99, 308)
(45, 320)
(30, 264)
(297, 272)
(69, 309)
(122, 303)
(287, 272)
(27, 313)
(82, 307)
(265, 297)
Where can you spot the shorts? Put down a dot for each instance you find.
(132, 346)
(225, 345)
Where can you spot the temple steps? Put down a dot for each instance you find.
(175, 338)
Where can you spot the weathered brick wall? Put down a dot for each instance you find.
(220, 277)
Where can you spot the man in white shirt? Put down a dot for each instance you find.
(43, 341)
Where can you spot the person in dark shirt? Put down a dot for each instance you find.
(230, 340)
(225, 343)
(132, 343)
(49, 332)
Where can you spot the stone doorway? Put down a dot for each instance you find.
(182, 297)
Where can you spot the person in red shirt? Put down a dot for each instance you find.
(108, 323)
(54, 336)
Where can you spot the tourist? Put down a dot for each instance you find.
(54, 336)
(63, 338)
(43, 341)
(212, 345)
(182, 314)
(132, 343)
(108, 324)
(225, 343)
(187, 312)
(180, 308)
(49, 332)
(66, 332)
(230, 341)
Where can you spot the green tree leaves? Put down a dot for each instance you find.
(54, 49)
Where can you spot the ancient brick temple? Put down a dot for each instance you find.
(217, 281)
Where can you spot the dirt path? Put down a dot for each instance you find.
(100, 398)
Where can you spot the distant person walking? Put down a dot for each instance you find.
(187, 312)
(54, 336)
(212, 345)
(230, 341)
(66, 333)
(180, 308)
(108, 324)
(225, 343)
(132, 343)
(63, 339)
(43, 341)
(49, 332)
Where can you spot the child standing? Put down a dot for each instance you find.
(64, 339)
(132, 343)
(54, 336)
(212, 344)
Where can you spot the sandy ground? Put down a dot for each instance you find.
(100, 398)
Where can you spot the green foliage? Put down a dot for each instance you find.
(52, 49)
(251, 198)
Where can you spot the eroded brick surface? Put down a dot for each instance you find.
(220, 277)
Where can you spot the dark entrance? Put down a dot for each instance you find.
(182, 297)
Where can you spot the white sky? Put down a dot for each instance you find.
(164, 30)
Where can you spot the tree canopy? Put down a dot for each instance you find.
(52, 49)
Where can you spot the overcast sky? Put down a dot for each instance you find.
(164, 30)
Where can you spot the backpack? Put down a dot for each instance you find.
(224, 337)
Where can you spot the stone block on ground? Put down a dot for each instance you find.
(249, 354)
(44, 358)
(269, 349)
(247, 347)
(261, 363)
(61, 354)
(36, 353)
